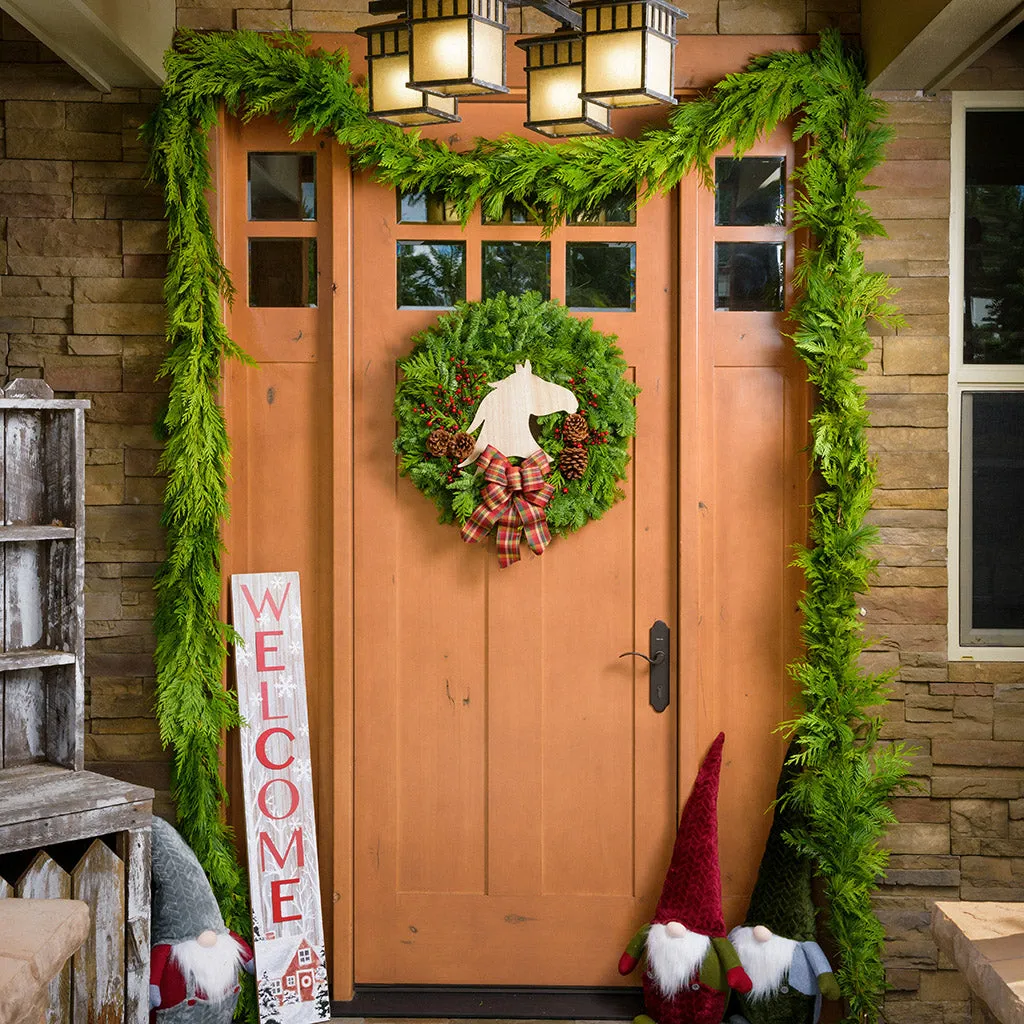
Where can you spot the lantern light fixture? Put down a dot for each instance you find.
(554, 79)
(457, 46)
(391, 98)
(609, 53)
(629, 51)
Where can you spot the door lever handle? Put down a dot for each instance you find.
(658, 660)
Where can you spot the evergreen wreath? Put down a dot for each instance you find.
(448, 373)
(846, 774)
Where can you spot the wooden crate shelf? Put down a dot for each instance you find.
(35, 657)
(47, 800)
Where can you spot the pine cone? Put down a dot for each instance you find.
(575, 429)
(439, 442)
(462, 445)
(572, 463)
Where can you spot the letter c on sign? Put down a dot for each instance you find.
(261, 748)
(261, 799)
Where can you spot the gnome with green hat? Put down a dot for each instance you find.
(776, 946)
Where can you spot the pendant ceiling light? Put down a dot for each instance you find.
(554, 79)
(458, 46)
(391, 99)
(610, 53)
(629, 51)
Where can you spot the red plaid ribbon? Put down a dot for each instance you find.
(514, 497)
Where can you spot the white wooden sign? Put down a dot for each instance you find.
(277, 778)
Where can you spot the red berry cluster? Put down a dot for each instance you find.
(449, 406)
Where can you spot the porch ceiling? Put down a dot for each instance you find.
(111, 43)
(925, 44)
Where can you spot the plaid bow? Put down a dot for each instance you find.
(513, 497)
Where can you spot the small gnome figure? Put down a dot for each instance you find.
(690, 963)
(789, 970)
(193, 977)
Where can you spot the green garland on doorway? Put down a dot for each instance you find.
(847, 775)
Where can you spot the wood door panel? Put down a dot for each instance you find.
(514, 789)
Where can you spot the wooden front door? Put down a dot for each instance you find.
(515, 791)
(495, 793)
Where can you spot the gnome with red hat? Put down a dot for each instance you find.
(691, 965)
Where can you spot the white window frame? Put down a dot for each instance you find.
(966, 377)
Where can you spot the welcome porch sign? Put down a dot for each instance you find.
(277, 779)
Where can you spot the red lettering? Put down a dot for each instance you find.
(262, 650)
(277, 898)
(261, 798)
(265, 704)
(261, 748)
(267, 599)
(266, 843)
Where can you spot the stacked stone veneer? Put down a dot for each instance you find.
(961, 835)
(82, 248)
(706, 17)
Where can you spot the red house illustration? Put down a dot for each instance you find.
(299, 977)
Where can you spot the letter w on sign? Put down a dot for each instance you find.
(277, 779)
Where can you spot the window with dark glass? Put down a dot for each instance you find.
(515, 213)
(992, 538)
(282, 186)
(749, 276)
(600, 275)
(619, 208)
(282, 272)
(994, 237)
(425, 208)
(516, 267)
(750, 190)
(431, 274)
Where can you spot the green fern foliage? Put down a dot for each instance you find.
(846, 775)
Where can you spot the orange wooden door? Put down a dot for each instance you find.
(515, 791)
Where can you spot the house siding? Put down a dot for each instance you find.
(82, 243)
(961, 833)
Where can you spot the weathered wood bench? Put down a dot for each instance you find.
(43, 806)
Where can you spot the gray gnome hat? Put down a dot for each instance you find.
(183, 902)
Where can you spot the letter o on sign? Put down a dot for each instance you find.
(261, 799)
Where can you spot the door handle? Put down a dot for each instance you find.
(659, 663)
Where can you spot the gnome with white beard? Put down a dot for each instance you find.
(193, 977)
(776, 944)
(690, 963)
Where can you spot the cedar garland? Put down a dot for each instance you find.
(847, 776)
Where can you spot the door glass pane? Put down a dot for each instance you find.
(516, 267)
(748, 276)
(282, 186)
(600, 275)
(618, 209)
(282, 271)
(993, 481)
(750, 190)
(994, 237)
(431, 274)
(425, 208)
(514, 213)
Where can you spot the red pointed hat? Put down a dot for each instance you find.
(692, 893)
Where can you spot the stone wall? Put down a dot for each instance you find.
(706, 17)
(82, 245)
(961, 834)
